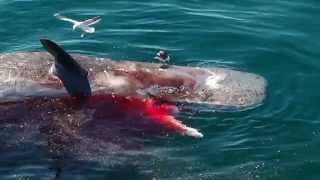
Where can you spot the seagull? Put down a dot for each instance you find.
(163, 57)
(83, 26)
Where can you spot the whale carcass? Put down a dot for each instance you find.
(49, 80)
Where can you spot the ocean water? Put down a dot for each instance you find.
(278, 40)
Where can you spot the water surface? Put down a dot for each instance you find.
(276, 39)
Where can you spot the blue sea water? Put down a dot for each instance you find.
(276, 39)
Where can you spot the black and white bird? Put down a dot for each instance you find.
(83, 26)
(162, 56)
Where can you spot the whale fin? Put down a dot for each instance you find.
(73, 76)
(62, 57)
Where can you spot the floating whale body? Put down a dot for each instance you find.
(30, 74)
(144, 87)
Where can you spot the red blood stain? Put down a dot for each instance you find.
(147, 109)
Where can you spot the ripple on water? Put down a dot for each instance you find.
(276, 39)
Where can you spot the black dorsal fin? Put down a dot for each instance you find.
(73, 76)
(63, 58)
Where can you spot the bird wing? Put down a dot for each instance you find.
(63, 18)
(92, 21)
(87, 29)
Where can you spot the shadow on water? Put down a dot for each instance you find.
(74, 140)
(35, 162)
(66, 169)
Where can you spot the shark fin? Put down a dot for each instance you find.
(70, 72)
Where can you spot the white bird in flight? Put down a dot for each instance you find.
(83, 26)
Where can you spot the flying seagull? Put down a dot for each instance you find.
(83, 26)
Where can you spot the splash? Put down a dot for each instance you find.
(149, 109)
